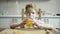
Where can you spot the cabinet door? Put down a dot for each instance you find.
(54, 22)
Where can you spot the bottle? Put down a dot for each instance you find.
(29, 23)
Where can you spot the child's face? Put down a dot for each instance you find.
(29, 10)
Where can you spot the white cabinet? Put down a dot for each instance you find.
(54, 22)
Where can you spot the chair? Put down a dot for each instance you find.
(39, 13)
(39, 17)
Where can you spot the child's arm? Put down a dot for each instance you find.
(45, 26)
(13, 26)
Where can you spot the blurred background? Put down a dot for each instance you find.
(10, 11)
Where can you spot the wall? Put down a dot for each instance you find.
(51, 6)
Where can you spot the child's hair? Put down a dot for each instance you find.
(28, 6)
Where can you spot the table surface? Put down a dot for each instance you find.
(25, 31)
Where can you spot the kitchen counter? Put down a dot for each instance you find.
(19, 16)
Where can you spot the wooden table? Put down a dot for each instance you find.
(25, 31)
